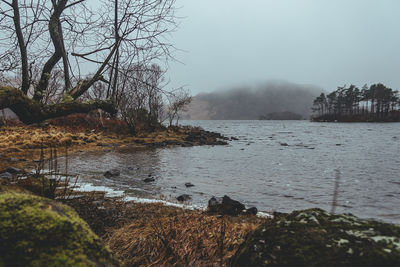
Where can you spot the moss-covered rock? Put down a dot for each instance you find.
(35, 231)
(316, 238)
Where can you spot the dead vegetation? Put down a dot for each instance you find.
(20, 143)
(158, 235)
(186, 239)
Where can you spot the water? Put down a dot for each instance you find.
(275, 165)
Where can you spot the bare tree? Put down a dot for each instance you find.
(78, 36)
(178, 102)
(141, 98)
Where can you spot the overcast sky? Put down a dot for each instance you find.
(326, 43)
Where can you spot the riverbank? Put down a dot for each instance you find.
(137, 233)
(20, 145)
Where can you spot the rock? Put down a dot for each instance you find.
(35, 231)
(6, 175)
(252, 211)
(149, 180)
(112, 173)
(226, 206)
(189, 184)
(316, 238)
(184, 197)
(186, 144)
(14, 170)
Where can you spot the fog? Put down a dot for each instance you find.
(248, 103)
(227, 43)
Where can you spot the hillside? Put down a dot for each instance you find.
(251, 103)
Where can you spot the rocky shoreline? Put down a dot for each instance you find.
(20, 145)
(104, 231)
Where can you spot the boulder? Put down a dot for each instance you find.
(316, 238)
(112, 173)
(225, 206)
(252, 211)
(184, 197)
(35, 231)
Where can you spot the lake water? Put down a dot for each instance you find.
(275, 166)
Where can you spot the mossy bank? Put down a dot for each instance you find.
(316, 238)
(35, 231)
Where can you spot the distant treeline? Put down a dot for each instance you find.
(352, 104)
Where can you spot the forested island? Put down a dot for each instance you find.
(377, 103)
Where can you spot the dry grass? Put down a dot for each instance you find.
(184, 239)
(23, 143)
(158, 235)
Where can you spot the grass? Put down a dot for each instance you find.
(186, 238)
(20, 144)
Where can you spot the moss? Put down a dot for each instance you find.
(316, 238)
(35, 231)
(67, 98)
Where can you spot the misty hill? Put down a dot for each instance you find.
(253, 103)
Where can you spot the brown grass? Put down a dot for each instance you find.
(185, 239)
(158, 235)
(24, 142)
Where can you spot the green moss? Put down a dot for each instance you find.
(316, 238)
(67, 98)
(35, 231)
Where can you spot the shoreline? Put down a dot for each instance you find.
(22, 146)
(149, 232)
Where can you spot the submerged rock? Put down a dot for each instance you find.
(149, 179)
(112, 173)
(184, 197)
(35, 231)
(316, 238)
(225, 206)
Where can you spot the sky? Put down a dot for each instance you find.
(326, 43)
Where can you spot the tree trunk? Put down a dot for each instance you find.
(22, 48)
(31, 111)
(58, 43)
